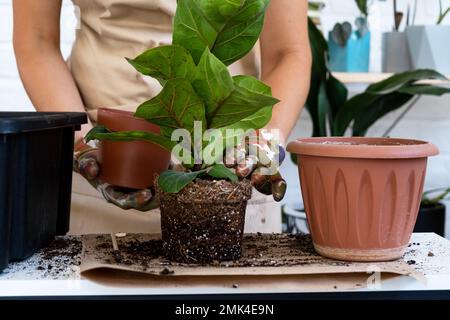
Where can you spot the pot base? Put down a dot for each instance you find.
(359, 255)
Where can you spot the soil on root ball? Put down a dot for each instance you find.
(205, 221)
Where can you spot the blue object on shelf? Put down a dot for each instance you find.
(354, 57)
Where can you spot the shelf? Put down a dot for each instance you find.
(368, 78)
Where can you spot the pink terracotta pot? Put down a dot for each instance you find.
(129, 164)
(361, 195)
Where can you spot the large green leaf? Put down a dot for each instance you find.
(255, 121)
(337, 96)
(362, 6)
(319, 73)
(425, 89)
(319, 50)
(399, 80)
(382, 97)
(351, 109)
(323, 109)
(241, 31)
(249, 96)
(378, 108)
(233, 133)
(219, 11)
(229, 29)
(165, 63)
(171, 181)
(192, 29)
(177, 106)
(219, 171)
(212, 82)
(101, 133)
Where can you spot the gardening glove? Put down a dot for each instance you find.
(86, 163)
(259, 158)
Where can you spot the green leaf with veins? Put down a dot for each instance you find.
(241, 31)
(229, 29)
(177, 106)
(212, 81)
(249, 96)
(256, 121)
(102, 133)
(219, 171)
(219, 11)
(171, 181)
(165, 63)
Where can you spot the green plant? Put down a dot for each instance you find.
(440, 194)
(363, 7)
(442, 13)
(198, 92)
(315, 5)
(333, 113)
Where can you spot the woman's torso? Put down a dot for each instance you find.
(111, 30)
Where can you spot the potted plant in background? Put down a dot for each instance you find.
(431, 217)
(203, 204)
(395, 50)
(350, 50)
(332, 181)
(429, 46)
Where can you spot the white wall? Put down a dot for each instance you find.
(429, 120)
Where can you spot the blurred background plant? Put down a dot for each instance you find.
(333, 113)
(442, 13)
(435, 196)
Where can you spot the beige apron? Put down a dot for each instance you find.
(109, 31)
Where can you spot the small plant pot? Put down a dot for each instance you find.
(354, 57)
(429, 47)
(361, 195)
(205, 221)
(129, 164)
(36, 159)
(395, 52)
(431, 218)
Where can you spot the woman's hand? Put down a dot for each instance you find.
(86, 163)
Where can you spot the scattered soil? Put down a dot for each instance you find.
(258, 250)
(59, 260)
(205, 221)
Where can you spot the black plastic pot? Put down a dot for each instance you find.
(431, 218)
(36, 156)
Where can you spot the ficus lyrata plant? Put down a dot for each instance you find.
(208, 35)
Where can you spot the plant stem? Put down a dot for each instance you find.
(442, 14)
(395, 14)
(438, 198)
(401, 116)
(413, 21)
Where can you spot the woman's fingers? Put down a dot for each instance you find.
(142, 200)
(279, 189)
(269, 185)
(87, 165)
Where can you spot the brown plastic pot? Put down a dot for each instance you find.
(129, 164)
(361, 195)
(205, 221)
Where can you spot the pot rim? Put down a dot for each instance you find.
(363, 147)
(120, 113)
